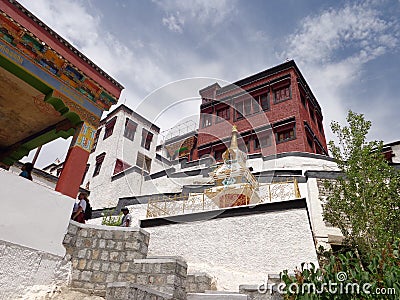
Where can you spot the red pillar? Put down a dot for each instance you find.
(75, 163)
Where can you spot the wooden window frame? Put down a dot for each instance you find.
(130, 129)
(147, 138)
(99, 163)
(280, 88)
(109, 128)
(227, 116)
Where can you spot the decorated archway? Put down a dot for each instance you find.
(48, 90)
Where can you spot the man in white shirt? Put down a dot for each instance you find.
(78, 213)
(127, 218)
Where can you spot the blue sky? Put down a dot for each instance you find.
(348, 51)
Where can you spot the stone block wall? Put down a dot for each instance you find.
(127, 291)
(199, 283)
(102, 255)
(164, 274)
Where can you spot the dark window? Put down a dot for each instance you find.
(120, 166)
(96, 139)
(267, 140)
(84, 174)
(147, 137)
(256, 105)
(130, 129)
(109, 128)
(207, 120)
(223, 113)
(59, 170)
(143, 162)
(388, 155)
(257, 143)
(282, 93)
(263, 100)
(311, 110)
(310, 142)
(218, 154)
(319, 149)
(262, 140)
(248, 147)
(239, 110)
(99, 162)
(320, 127)
(303, 99)
(247, 107)
(285, 135)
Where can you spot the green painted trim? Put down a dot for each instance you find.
(59, 106)
(45, 138)
(25, 76)
(57, 103)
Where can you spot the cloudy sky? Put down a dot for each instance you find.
(346, 50)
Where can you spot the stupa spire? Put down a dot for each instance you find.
(234, 143)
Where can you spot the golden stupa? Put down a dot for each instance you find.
(234, 183)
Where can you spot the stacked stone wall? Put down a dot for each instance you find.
(103, 255)
(164, 274)
(199, 283)
(127, 291)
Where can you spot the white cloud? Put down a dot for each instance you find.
(203, 12)
(133, 64)
(354, 26)
(332, 49)
(174, 23)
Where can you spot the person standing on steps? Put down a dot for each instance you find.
(127, 218)
(78, 214)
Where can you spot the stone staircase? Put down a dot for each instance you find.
(216, 295)
(113, 263)
(133, 291)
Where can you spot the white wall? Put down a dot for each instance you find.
(239, 250)
(32, 215)
(396, 152)
(298, 163)
(314, 204)
(34, 220)
(104, 192)
(25, 272)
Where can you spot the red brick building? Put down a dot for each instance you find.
(275, 111)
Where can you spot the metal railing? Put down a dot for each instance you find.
(279, 191)
(162, 205)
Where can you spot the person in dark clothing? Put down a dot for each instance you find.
(78, 213)
(27, 171)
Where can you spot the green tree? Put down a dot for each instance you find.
(364, 201)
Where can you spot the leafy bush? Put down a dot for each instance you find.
(343, 277)
(110, 220)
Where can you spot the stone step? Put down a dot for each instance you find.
(216, 295)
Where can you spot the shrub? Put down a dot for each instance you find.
(344, 278)
(110, 220)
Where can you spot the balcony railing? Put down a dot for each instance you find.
(161, 205)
